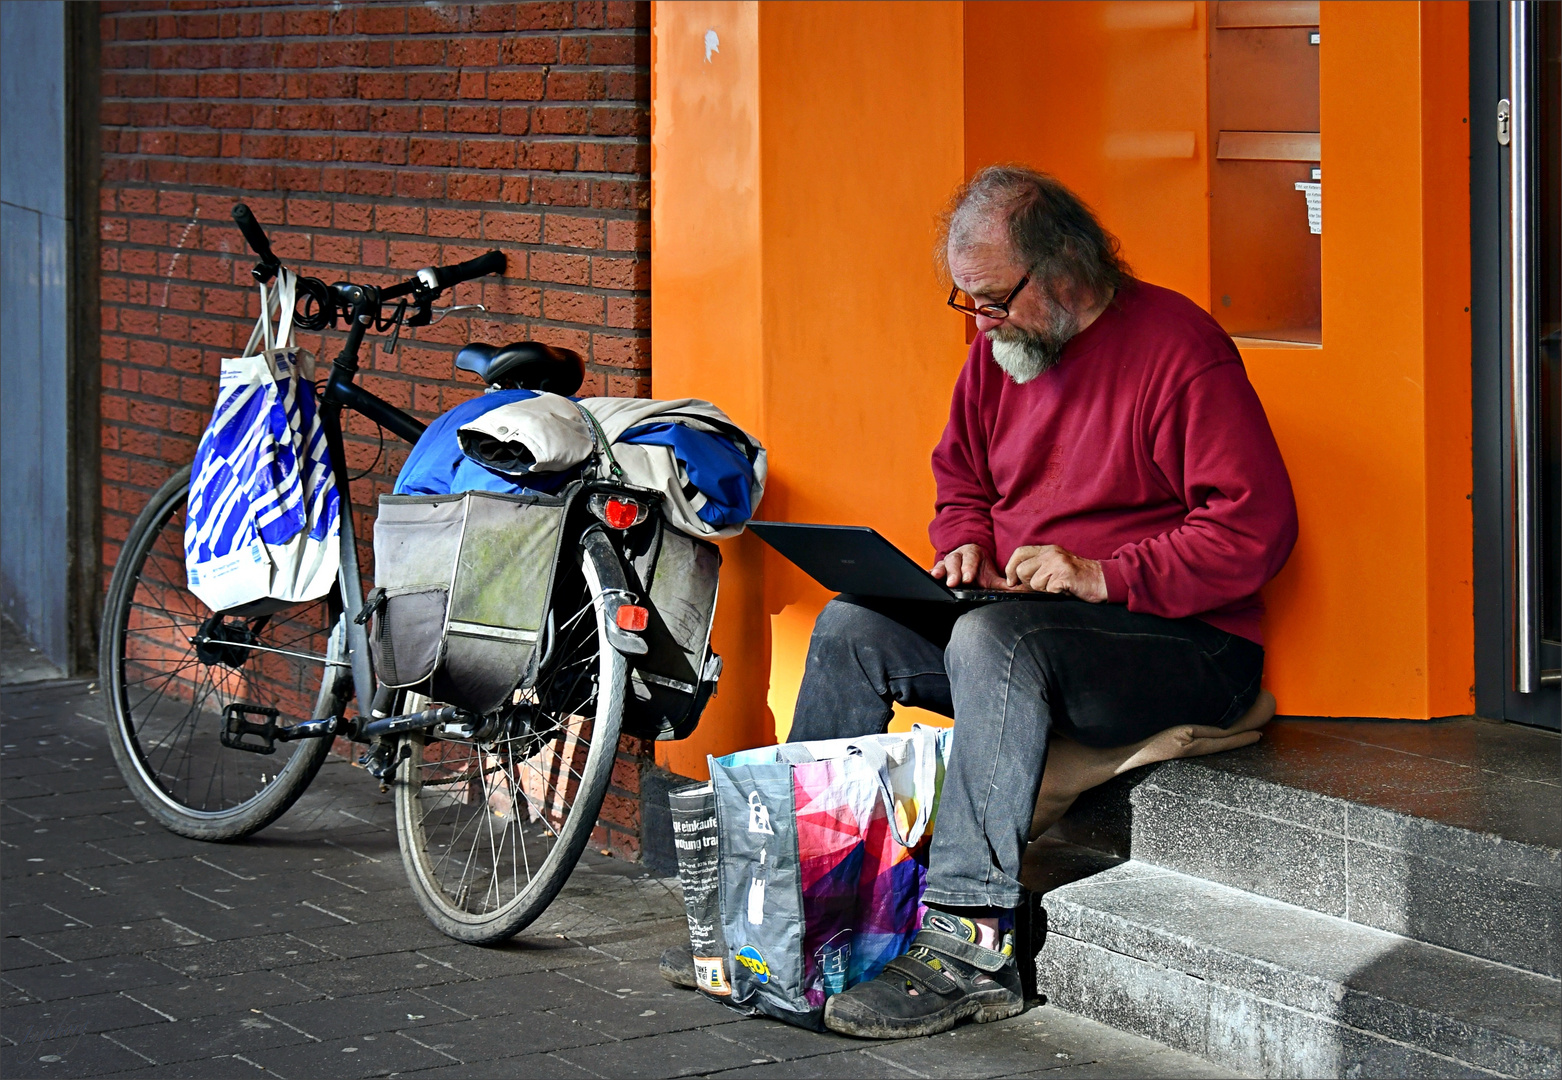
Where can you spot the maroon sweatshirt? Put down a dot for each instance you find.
(1145, 448)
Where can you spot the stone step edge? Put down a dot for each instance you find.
(1510, 859)
(1232, 1061)
(1070, 919)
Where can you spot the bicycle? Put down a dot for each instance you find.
(493, 811)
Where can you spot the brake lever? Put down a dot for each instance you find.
(401, 312)
(457, 309)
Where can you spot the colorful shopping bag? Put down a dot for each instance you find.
(264, 513)
(821, 865)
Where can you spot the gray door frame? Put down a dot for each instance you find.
(62, 592)
(1496, 692)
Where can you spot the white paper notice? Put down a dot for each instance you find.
(1314, 193)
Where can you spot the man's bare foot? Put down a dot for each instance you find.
(1073, 769)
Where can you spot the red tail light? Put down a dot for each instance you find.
(620, 514)
(632, 616)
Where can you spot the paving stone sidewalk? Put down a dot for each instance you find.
(129, 951)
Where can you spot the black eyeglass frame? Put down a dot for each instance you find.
(999, 310)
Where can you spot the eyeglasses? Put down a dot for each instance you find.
(999, 310)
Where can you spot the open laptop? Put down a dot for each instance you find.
(856, 559)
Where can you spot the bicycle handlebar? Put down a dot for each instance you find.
(254, 235)
(423, 287)
(491, 263)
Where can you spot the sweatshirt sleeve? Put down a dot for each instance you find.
(966, 493)
(1213, 445)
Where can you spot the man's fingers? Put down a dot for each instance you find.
(976, 561)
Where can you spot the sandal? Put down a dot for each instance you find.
(942, 979)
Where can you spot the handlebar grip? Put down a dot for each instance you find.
(254, 234)
(492, 263)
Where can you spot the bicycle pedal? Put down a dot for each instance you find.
(236, 729)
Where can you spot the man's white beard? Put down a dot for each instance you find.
(1017, 357)
(1025, 354)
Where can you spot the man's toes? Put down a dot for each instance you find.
(1260, 713)
(1200, 747)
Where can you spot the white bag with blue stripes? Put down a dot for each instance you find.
(264, 516)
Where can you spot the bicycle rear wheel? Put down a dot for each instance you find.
(490, 830)
(170, 666)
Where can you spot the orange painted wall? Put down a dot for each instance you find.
(845, 361)
(1373, 614)
(1109, 98)
(705, 307)
(794, 181)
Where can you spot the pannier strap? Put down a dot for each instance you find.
(988, 960)
(922, 975)
(600, 440)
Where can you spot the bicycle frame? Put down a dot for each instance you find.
(341, 392)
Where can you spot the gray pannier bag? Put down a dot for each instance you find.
(670, 684)
(462, 587)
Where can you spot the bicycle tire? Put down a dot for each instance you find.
(430, 825)
(138, 652)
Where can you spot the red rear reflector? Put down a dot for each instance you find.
(621, 513)
(632, 617)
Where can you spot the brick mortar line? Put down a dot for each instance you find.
(550, 138)
(355, 35)
(524, 66)
(337, 231)
(399, 201)
(369, 103)
(459, 170)
(605, 291)
(130, 335)
(449, 202)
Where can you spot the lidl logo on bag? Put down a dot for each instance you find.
(749, 957)
(712, 975)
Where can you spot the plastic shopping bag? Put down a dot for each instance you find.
(822, 862)
(264, 513)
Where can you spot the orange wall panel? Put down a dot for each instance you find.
(1372, 616)
(705, 307)
(795, 178)
(1445, 272)
(861, 145)
(1111, 99)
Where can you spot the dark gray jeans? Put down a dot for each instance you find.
(1010, 673)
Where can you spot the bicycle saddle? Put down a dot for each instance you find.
(525, 365)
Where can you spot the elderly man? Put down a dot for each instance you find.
(1103, 445)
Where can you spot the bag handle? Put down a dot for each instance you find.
(287, 294)
(923, 742)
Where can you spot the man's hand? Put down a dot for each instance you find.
(969, 564)
(1051, 569)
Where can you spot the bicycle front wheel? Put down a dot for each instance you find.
(170, 666)
(490, 830)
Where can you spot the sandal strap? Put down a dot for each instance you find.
(988, 960)
(923, 975)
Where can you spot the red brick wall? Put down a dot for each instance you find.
(370, 140)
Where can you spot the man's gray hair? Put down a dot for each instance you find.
(1050, 229)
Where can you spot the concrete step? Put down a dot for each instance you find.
(1448, 833)
(1272, 989)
